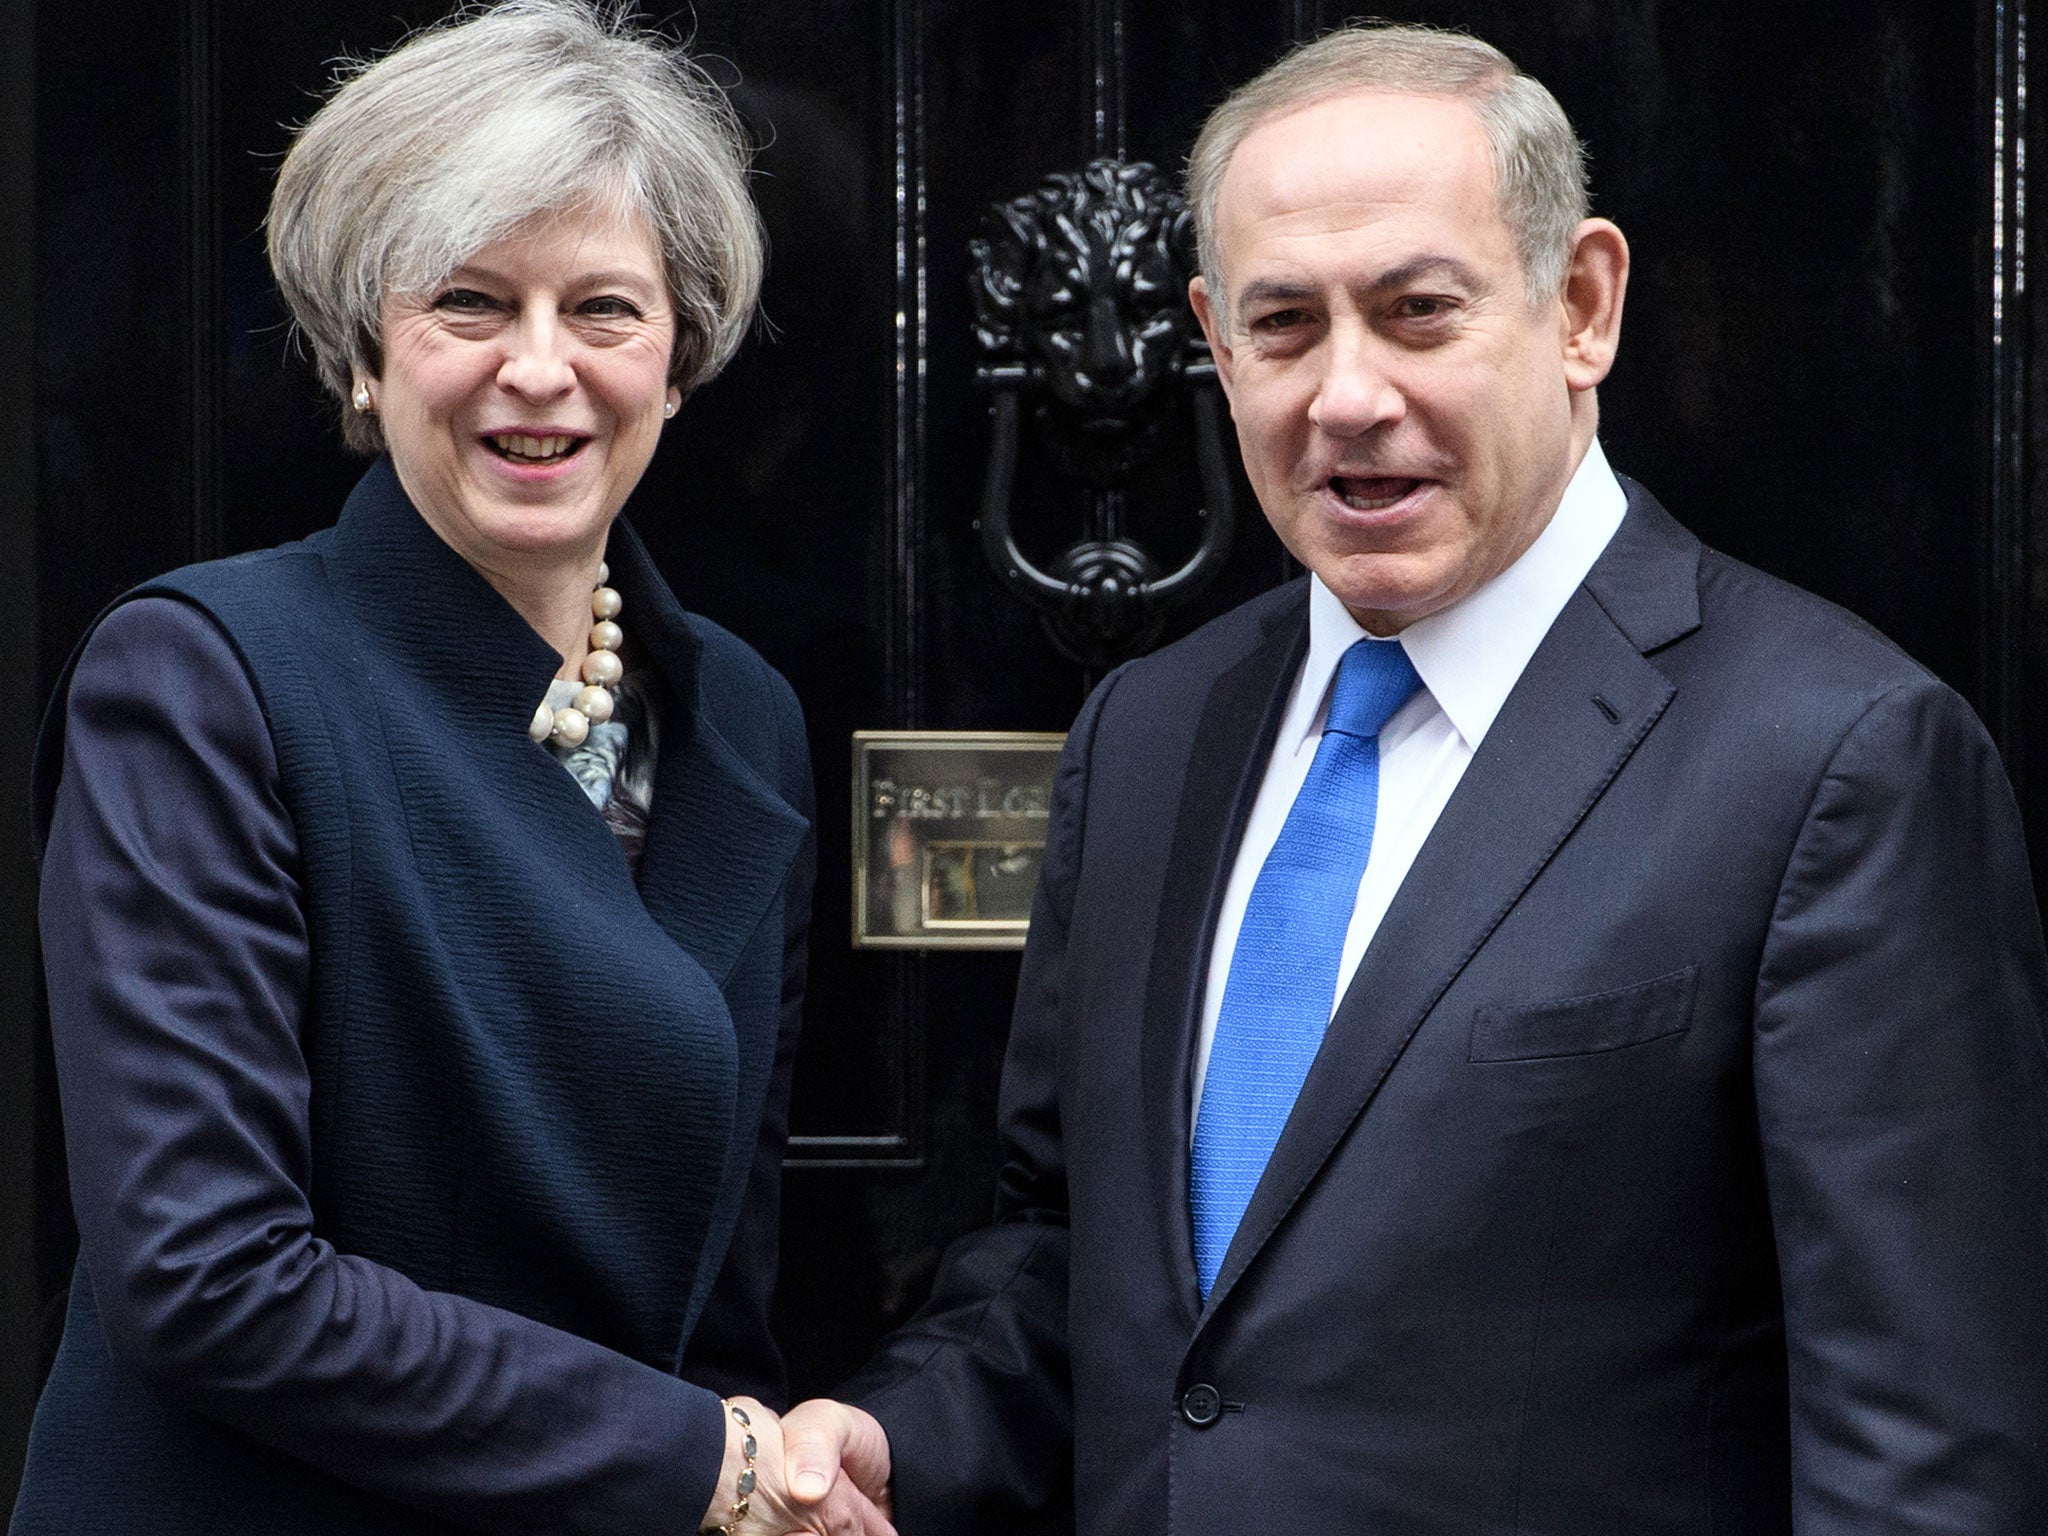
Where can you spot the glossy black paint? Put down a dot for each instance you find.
(1825, 371)
(19, 1290)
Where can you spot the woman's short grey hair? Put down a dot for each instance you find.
(472, 127)
(1539, 165)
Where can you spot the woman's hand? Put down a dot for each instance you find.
(827, 1446)
(852, 1501)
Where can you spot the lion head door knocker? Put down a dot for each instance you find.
(1080, 298)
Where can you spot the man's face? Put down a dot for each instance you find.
(1404, 409)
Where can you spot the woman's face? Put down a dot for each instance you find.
(522, 398)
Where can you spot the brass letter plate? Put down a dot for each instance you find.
(948, 833)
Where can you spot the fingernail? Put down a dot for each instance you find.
(810, 1485)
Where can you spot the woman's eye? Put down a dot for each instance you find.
(611, 307)
(464, 301)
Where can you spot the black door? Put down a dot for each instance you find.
(1824, 371)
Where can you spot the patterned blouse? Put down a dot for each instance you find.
(615, 763)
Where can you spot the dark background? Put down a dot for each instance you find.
(1825, 371)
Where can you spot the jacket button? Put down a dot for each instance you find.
(1201, 1405)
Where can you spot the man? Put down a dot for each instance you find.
(1675, 1158)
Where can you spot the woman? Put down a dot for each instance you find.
(425, 955)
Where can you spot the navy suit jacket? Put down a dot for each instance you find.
(1677, 1160)
(426, 1163)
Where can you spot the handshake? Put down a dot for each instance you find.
(823, 1467)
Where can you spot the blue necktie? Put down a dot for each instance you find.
(1283, 974)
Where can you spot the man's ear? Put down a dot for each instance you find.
(1212, 329)
(1595, 282)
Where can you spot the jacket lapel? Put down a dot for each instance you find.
(719, 848)
(1584, 703)
(1232, 741)
(721, 841)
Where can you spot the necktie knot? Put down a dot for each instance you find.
(1374, 678)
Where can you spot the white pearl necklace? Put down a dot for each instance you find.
(602, 669)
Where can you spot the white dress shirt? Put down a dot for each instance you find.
(1469, 656)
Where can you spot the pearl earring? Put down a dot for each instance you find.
(362, 398)
(668, 409)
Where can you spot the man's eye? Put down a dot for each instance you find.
(1421, 308)
(1280, 320)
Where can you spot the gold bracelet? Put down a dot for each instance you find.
(745, 1488)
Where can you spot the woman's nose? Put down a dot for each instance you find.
(536, 363)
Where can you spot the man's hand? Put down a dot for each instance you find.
(832, 1452)
(840, 1505)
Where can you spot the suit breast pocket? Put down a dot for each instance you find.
(1584, 1026)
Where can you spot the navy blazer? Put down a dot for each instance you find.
(426, 1165)
(1676, 1161)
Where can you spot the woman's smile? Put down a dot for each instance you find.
(539, 448)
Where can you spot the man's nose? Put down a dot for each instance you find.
(1357, 391)
(536, 363)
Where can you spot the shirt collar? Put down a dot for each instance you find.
(1471, 654)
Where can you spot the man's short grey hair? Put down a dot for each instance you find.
(1539, 166)
(471, 128)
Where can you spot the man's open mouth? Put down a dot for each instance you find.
(1373, 493)
(534, 450)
